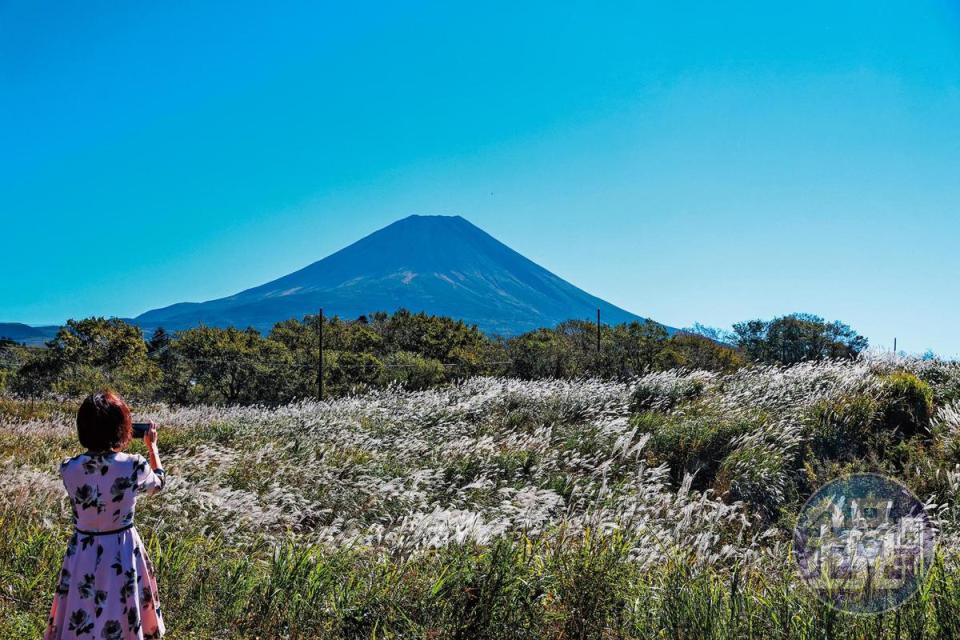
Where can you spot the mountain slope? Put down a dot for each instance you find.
(26, 334)
(442, 265)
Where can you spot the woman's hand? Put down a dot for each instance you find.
(150, 437)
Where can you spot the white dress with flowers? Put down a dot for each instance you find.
(106, 589)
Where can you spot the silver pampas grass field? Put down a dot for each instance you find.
(660, 506)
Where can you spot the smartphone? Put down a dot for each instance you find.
(140, 429)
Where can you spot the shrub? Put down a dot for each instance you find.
(590, 587)
(691, 351)
(865, 423)
(665, 391)
(907, 405)
(486, 593)
(842, 428)
(760, 469)
(348, 371)
(943, 378)
(694, 444)
(411, 371)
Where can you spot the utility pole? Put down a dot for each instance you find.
(320, 359)
(598, 330)
(894, 347)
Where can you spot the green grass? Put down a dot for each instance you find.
(583, 588)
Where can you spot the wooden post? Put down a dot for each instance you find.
(320, 359)
(598, 330)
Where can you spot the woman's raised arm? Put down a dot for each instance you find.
(150, 440)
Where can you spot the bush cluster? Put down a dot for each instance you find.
(772, 458)
(211, 365)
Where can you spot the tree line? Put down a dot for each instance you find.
(205, 365)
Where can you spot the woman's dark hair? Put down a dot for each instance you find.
(103, 422)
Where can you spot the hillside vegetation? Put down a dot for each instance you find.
(207, 365)
(653, 507)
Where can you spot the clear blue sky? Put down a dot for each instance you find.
(705, 162)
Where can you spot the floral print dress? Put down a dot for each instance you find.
(106, 589)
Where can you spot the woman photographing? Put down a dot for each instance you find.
(107, 589)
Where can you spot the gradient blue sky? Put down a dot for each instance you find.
(705, 162)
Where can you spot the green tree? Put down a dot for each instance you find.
(89, 354)
(347, 372)
(354, 338)
(231, 366)
(301, 340)
(633, 348)
(175, 385)
(796, 338)
(542, 353)
(570, 350)
(692, 351)
(411, 371)
(10, 361)
(433, 337)
(580, 340)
